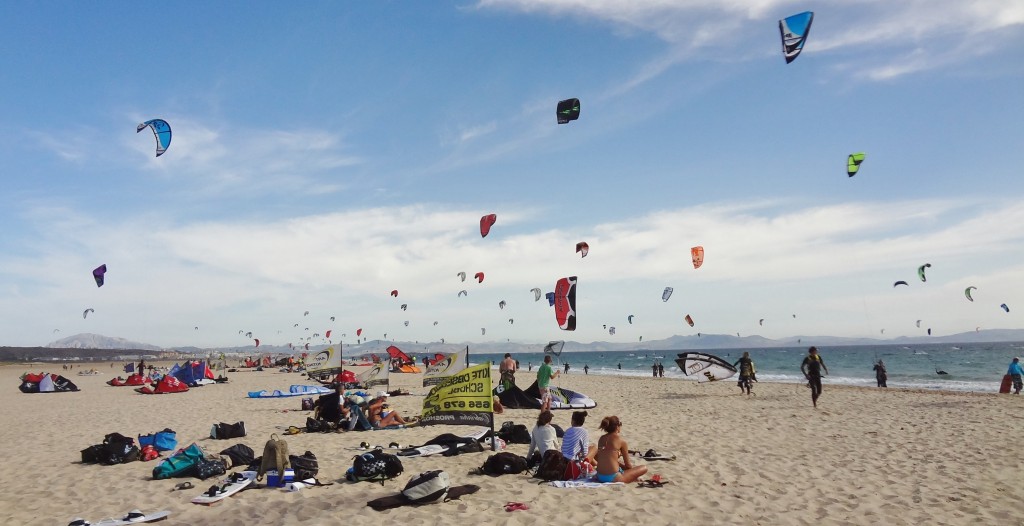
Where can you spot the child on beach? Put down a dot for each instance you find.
(612, 456)
(544, 375)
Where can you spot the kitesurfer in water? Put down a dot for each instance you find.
(812, 367)
(880, 374)
(746, 368)
(1015, 373)
(612, 455)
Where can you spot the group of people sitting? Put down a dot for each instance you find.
(610, 456)
(336, 411)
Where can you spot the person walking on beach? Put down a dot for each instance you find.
(612, 455)
(586, 369)
(1015, 373)
(746, 368)
(812, 367)
(880, 374)
(508, 371)
(654, 369)
(661, 370)
(544, 376)
(566, 367)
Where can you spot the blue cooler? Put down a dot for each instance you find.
(274, 479)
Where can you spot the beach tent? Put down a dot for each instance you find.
(46, 383)
(167, 384)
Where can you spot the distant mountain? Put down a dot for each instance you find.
(96, 341)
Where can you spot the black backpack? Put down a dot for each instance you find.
(374, 466)
(513, 433)
(305, 466)
(118, 449)
(552, 466)
(223, 431)
(503, 463)
(240, 455)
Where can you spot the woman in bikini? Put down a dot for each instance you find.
(613, 463)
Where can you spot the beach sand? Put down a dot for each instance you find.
(865, 456)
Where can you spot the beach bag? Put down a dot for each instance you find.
(552, 466)
(514, 433)
(240, 455)
(305, 465)
(429, 486)
(577, 469)
(316, 426)
(165, 440)
(224, 431)
(503, 463)
(92, 454)
(119, 449)
(206, 468)
(179, 465)
(374, 466)
(275, 457)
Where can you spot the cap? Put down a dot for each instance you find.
(382, 394)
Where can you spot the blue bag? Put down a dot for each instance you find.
(165, 440)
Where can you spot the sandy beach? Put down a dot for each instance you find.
(865, 456)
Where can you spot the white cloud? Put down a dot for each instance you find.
(761, 257)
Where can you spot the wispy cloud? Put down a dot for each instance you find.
(253, 273)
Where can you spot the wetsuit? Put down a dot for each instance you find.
(880, 375)
(812, 370)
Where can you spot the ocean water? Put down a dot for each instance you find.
(970, 367)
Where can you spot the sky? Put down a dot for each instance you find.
(327, 153)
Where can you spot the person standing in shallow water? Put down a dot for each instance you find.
(1015, 373)
(880, 374)
(661, 370)
(812, 367)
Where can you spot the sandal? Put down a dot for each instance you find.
(515, 506)
(183, 485)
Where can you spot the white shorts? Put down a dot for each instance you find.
(545, 394)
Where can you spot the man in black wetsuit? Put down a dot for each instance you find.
(812, 367)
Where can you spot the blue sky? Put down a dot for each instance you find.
(326, 153)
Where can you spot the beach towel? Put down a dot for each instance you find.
(588, 483)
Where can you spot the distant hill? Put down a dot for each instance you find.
(98, 347)
(96, 341)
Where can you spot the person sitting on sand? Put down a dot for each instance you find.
(576, 440)
(381, 415)
(543, 437)
(613, 463)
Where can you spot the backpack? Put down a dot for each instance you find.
(374, 466)
(305, 466)
(240, 455)
(182, 463)
(275, 457)
(502, 463)
(514, 433)
(118, 449)
(429, 486)
(225, 431)
(552, 466)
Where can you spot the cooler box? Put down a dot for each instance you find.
(274, 479)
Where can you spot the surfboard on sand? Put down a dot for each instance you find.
(133, 517)
(1004, 387)
(236, 482)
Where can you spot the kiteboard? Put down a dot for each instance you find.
(133, 517)
(1004, 387)
(235, 482)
